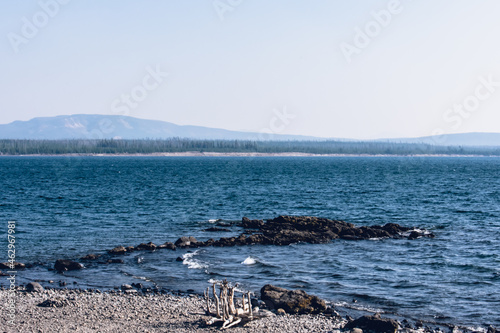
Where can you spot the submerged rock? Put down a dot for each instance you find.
(291, 301)
(374, 323)
(91, 257)
(62, 265)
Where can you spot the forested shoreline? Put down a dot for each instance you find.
(179, 145)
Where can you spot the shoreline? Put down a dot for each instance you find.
(117, 311)
(89, 310)
(242, 154)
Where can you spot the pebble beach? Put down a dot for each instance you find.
(73, 310)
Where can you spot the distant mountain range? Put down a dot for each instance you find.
(82, 126)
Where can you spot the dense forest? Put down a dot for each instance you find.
(110, 146)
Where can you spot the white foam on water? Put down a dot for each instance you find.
(249, 261)
(193, 263)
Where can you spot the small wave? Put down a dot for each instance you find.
(188, 259)
(249, 261)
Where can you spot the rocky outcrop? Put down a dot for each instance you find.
(251, 224)
(62, 265)
(291, 301)
(374, 324)
(283, 230)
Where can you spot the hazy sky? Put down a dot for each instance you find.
(353, 69)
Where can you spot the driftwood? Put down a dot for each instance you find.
(225, 311)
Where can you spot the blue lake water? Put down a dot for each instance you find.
(66, 207)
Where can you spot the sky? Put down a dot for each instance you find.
(328, 68)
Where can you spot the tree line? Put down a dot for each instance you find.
(150, 146)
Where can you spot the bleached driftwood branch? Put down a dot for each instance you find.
(225, 309)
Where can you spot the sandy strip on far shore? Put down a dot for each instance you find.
(216, 154)
(91, 311)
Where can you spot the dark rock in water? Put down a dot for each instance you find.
(16, 265)
(414, 235)
(186, 242)
(118, 250)
(115, 261)
(62, 265)
(91, 256)
(34, 287)
(251, 224)
(149, 246)
(374, 323)
(137, 285)
(179, 259)
(215, 229)
(62, 283)
(167, 245)
(292, 301)
(492, 329)
(130, 249)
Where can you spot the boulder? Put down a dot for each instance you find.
(167, 245)
(118, 250)
(62, 265)
(291, 301)
(126, 287)
(34, 287)
(374, 324)
(186, 242)
(148, 247)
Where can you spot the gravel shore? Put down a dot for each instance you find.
(91, 311)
